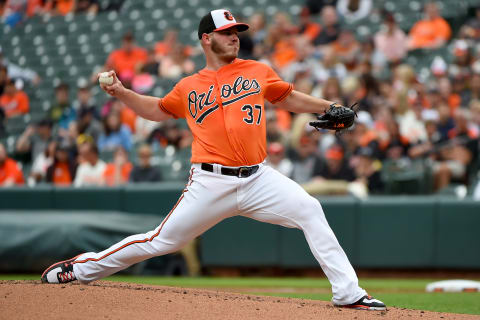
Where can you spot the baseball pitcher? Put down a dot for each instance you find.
(224, 107)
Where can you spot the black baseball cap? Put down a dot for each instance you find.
(218, 20)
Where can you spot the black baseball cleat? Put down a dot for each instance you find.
(366, 303)
(60, 272)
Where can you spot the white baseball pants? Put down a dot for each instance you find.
(209, 198)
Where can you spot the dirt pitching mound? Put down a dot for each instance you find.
(108, 300)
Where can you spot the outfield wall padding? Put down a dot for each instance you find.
(379, 232)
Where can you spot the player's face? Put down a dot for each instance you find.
(225, 44)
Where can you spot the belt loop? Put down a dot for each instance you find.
(216, 168)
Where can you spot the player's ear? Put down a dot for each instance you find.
(206, 38)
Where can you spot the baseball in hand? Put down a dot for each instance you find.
(105, 78)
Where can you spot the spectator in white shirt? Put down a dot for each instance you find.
(90, 171)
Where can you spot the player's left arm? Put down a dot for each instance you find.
(300, 102)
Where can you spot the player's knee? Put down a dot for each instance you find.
(165, 245)
(310, 206)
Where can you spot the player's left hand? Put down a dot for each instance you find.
(336, 118)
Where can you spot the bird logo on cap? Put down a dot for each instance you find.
(228, 16)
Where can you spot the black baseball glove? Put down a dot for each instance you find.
(336, 118)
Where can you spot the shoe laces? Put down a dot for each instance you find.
(66, 276)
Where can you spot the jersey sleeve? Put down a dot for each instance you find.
(277, 89)
(172, 103)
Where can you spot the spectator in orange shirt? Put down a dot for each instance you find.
(170, 40)
(118, 172)
(10, 173)
(308, 28)
(59, 7)
(347, 48)
(34, 7)
(126, 59)
(63, 169)
(430, 33)
(281, 39)
(13, 101)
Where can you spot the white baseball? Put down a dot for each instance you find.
(104, 78)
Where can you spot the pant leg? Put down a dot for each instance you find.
(273, 198)
(206, 200)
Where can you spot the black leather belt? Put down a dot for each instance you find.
(241, 172)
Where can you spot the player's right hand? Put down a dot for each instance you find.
(115, 88)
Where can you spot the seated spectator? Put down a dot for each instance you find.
(247, 45)
(86, 6)
(303, 152)
(63, 169)
(84, 98)
(347, 49)
(431, 32)
(118, 172)
(59, 7)
(170, 41)
(34, 7)
(445, 120)
(394, 146)
(127, 59)
(473, 25)
(451, 157)
(151, 65)
(88, 124)
(258, 28)
(62, 112)
(35, 138)
(331, 67)
(354, 10)
(446, 92)
(277, 160)
(330, 27)
(10, 172)
(391, 41)
(368, 170)
(335, 167)
(14, 102)
(13, 12)
(41, 164)
(91, 168)
(170, 134)
(364, 133)
(127, 116)
(332, 91)
(281, 39)
(276, 131)
(176, 63)
(305, 65)
(114, 134)
(308, 28)
(143, 171)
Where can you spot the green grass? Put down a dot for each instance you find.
(402, 293)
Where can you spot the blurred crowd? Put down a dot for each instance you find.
(404, 117)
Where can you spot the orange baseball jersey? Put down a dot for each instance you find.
(225, 111)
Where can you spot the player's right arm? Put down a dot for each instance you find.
(145, 106)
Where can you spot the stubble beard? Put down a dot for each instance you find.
(222, 53)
